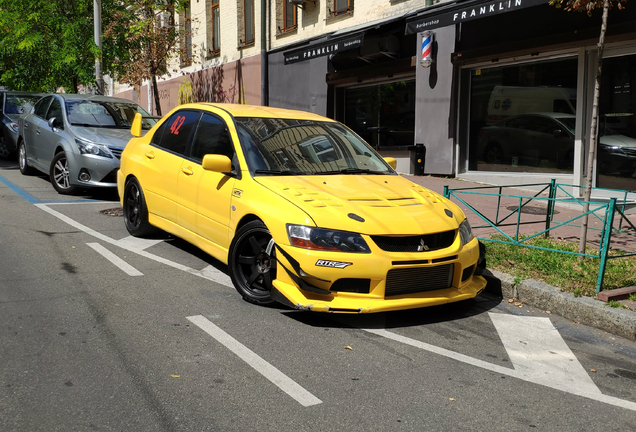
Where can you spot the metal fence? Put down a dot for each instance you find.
(509, 223)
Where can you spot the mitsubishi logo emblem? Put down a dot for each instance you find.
(422, 246)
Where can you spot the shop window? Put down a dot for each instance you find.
(214, 28)
(616, 155)
(522, 117)
(185, 19)
(246, 22)
(286, 19)
(383, 115)
(339, 7)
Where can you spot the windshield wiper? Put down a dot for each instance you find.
(275, 172)
(354, 171)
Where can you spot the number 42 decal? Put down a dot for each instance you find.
(176, 125)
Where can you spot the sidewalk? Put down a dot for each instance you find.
(585, 310)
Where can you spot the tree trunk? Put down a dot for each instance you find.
(593, 137)
(155, 90)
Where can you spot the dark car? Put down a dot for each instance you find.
(534, 140)
(13, 104)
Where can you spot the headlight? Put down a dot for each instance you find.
(465, 232)
(86, 147)
(326, 239)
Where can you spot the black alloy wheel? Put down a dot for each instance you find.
(5, 152)
(252, 263)
(135, 210)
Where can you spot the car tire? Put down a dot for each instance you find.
(25, 169)
(5, 152)
(252, 267)
(136, 210)
(493, 153)
(60, 176)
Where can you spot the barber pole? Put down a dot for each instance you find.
(427, 48)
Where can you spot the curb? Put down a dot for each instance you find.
(585, 310)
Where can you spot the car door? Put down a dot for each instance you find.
(205, 196)
(50, 137)
(32, 129)
(162, 163)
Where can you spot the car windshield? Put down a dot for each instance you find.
(106, 114)
(303, 147)
(20, 104)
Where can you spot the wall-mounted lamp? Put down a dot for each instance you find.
(428, 37)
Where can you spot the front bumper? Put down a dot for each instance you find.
(396, 281)
(102, 171)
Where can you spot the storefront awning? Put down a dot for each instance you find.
(333, 46)
(464, 11)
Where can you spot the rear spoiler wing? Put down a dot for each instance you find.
(135, 129)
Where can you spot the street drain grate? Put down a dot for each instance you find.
(534, 210)
(118, 212)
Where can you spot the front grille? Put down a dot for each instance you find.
(418, 279)
(362, 286)
(414, 243)
(117, 151)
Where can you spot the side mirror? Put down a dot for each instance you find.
(391, 161)
(53, 123)
(558, 133)
(135, 129)
(217, 163)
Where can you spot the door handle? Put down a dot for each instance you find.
(187, 171)
(150, 155)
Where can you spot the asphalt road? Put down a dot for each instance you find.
(101, 332)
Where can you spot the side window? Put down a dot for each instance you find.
(211, 137)
(55, 110)
(177, 131)
(156, 138)
(41, 106)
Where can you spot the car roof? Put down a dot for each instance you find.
(22, 93)
(241, 110)
(90, 97)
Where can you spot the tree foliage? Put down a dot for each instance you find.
(150, 37)
(44, 44)
(586, 6)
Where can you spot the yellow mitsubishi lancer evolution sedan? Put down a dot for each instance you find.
(303, 211)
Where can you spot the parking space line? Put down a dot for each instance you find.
(281, 380)
(123, 265)
(519, 372)
(219, 278)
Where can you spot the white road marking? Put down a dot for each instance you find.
(222, 279)
(281, 380)
(136, 243)
(212, 273)
(219, 278)
(540, 355)
(123, 265)
(522, 374)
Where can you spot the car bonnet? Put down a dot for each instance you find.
(107, 136)
(368, 204)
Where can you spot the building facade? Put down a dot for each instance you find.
(507, 98)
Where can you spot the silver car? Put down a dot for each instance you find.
(77, 139)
